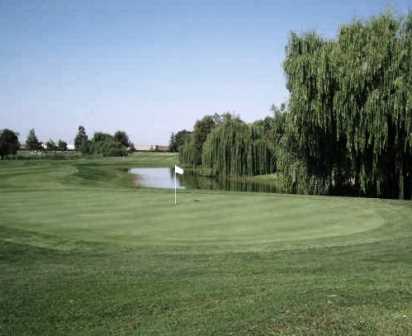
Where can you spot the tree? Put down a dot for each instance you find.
(186, 152)
(81, 140)
(350, 106)
(234, 148)
(32, 143)
(62, 145)
(9, 143)
(102, 137)
(347, 128)
(200, 132)
(104, 144)
(172, 143)
(193, 148)
(51, 145)
(131, 148)
(177, 140)
(85, 147)
(122, 138)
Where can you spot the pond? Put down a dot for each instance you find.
(156, 178)
(164, 178)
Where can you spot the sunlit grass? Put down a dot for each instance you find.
(84, 252)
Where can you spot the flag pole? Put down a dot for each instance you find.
(175, 187)
(180, 171)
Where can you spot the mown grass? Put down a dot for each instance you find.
(84, 252)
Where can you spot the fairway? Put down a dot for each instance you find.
(85, 252)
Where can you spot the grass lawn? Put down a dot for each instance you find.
(85, 252)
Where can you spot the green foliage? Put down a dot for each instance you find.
(105, 144)
(186, 152)
(122, 138)
(100, 137)
(9, 143)
(201, 130)
(234, 148)
(81, 141)
(32, 143)
(350, 106)
(177, 140)
(172, 143)
(131, 147)
(102, 144)
(190, 152)
(347, 128)
(85, 147)
(51, 145)
(62, 145)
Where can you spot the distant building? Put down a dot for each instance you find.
(70, 147)
(144, 148)
(160, 148)
(151, 148)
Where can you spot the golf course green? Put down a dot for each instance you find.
(84, 251)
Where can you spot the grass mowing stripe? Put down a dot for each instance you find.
(90, 254)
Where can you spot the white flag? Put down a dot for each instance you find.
(179, 170)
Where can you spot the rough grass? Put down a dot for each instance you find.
(83, 252)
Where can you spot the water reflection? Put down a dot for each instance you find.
(156, 178)
(194, 181)
(164, 178)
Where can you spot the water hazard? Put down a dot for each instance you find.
(156, 178)
(164, 178)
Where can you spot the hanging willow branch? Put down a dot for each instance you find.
(351, 104)
(235, 148)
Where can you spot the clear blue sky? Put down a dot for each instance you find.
(151, 67)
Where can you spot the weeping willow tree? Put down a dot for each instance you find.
(351, 106)
(348, 126)
(314, 156)
(187, 152)
(235, 148)
(191, 151)
(374, 102)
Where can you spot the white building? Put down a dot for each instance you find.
(145, 148)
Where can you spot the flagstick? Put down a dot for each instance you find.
(179, 171)
(175, 188)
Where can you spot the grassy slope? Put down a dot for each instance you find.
(82, 252)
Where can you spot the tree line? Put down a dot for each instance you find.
(347, 127)
(225, 145)
(103, 144)
(10, 144)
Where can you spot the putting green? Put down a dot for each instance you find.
(207, 219)
(57, 203)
